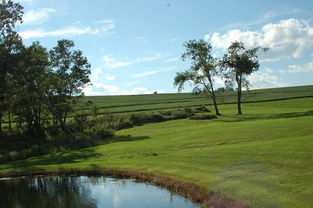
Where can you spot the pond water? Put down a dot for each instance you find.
(85, 191)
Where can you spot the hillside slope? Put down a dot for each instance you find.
(263, 157)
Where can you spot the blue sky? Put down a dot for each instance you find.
(134, 47)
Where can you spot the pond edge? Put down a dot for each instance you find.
(188, 190)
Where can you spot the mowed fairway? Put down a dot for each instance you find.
(264, 157)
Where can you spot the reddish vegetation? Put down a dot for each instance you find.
(189, 190)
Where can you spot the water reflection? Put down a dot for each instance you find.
(86, 192)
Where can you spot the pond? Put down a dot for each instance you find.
(86, 191)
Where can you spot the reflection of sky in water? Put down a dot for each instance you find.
(88, 192)
(127, 193)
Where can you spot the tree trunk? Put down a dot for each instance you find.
(9, 117)
(0, 122)
(213, 97)
(61, 121)
(239, 95)
(215, 103)
(65, 116)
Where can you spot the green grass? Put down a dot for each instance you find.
(130, 103)
(264, 157)
(138, 103)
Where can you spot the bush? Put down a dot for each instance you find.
(202, 117)
(155, 118)
(13, 155)
(124, 125)
(202, 108)
(188, 110)
(167, 113)
(180, 114)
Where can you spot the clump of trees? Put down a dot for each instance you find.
(39, 88)
(234, 67)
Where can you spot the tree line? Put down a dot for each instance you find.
(37, 83)
(234, 67)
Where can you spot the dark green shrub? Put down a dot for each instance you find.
(137, 118)
(13, 155)
(155, 118)
(202, 108)
(124, 125)
(202, 117)
(167, 113)
(105, 133)
(180, 114)
(188, 110)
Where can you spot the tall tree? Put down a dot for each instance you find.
(238, 64)
(202, 70)
(10, 45)
(71, 72)
(30, 81)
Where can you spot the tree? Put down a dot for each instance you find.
(237, 65)
(202, 70)
(10, 45)
(70, 74)
(30, 80)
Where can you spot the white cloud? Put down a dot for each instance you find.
(139, 90)
(260, 80)
(173, 59)
(264, 18)
(173, 40)
(131, 83)
(104, 89)
(112, 63)
(152, 72)
(285, 39)
(25, 1)
(109, 77)
(95, 74)
(145, 74)
(101, 89)
(300, 68)
(38, 16)
(69, 31)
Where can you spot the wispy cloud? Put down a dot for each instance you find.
(109, 77)
(38, 16)
(172, 59)
(69, 31)
(263, 19)
(260, 80)
(173, 40)
(113, 63)
(152, 72)
(98, 74)
(300, 68)
(25, 1)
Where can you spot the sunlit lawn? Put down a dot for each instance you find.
(264, 157)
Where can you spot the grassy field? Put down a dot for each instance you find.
(140, 103)
(264, 157)
(126, 103)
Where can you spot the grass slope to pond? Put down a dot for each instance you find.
(264, 157)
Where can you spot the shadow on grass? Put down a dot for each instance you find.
(128, 138)
(70, 157)
(267, 116)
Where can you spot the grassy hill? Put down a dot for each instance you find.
(131, 103)
(263, 157)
